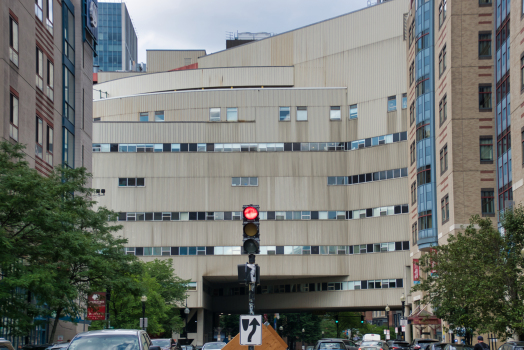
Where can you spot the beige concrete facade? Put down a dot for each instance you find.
(165, 60)
(324, 247)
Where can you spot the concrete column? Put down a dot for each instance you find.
(408, 336)
(199, 340)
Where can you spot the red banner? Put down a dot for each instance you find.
(96, 306)
(416, 272)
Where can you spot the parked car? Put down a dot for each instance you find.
(350, 344)
(329, 344)
(6, 344)
(165, 344)
(374, 345)
(421, 344)
(512, 345)
(110, 339)
(450, 346)
(60, 346)
(398, 345)
(215, 345)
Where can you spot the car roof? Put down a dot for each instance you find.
(111, 331)
(331, 340)
(516, 342)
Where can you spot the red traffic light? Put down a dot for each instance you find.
(250, 213)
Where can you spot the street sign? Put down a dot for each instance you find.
(403, 321)
(387, 337)
(396, 329)
(403, 328)
(142, 325)
(250, 329)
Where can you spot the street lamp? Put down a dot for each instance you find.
(303, 330)
(281, 330)
(403, 301)
(144, 299)
(387, 315)
(186, 311)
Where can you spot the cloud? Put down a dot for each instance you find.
(202, 24)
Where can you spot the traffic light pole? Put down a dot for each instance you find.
(251, 294)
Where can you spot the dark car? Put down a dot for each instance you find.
(215, 345)
(330, 344)
(350, 344)
(421, 344)
(113, 339)
(512, 345)
(449, 346)
(374, 345)
(165, 344)
(398, 345)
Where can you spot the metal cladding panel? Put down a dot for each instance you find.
(164, 60)
(197, 79)
(108, 76)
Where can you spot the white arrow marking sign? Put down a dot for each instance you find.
(250, 329)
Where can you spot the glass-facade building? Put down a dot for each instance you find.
(117, 40)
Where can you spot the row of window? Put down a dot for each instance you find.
(272, 250)
(265, 215)
(369, 177)
(309, 287)
(250, 147)
(244, 181)
(131, 182)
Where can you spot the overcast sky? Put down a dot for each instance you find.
(202, 24)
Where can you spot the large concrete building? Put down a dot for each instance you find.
(48, 109)
(311, 125)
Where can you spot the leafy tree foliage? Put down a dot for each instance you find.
(230, 324)
(293, 323)
(477, 281)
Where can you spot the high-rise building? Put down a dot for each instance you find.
(46, 89)
(451, 129)
(311, 125)
(117, 45)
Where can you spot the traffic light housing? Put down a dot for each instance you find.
(361, 318)
(250, 229)
(336, 318)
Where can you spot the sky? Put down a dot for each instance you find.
(202, 24)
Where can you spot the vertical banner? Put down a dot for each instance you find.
(96, 306)
(416, 272)
(433, 251)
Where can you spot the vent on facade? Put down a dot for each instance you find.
(405, 26)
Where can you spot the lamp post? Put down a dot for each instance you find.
(186, 312)
(281, 330)
(303, 330)
(144, 299)
(387, 315)
(403, 301)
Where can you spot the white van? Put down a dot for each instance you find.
(371, 337)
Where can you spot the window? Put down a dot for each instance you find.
(442, 9)
(39, 137)
(412, 153)
(38, 9)
(131, 182)
(39, 69)
(69, 149)
(159, 116)
(13, 41)
(214, 114)
(488, 202)
(442, 106)
(69, 35)
(353, 112)
(522, 73)
(414, 192)
(484, 2)
(444, 206)
(424, 175)
(334, 113)
(485, 97)
(423, 130)
(425, 220)
(422, 86)
(442, 60)
(232, 114)
(69, 95)
(485, 45)
(392, 103)
(414, 233)
(50, 80)
(49, 146)
(404, 101)
(49, 16)
(412, 73)
(443, 159)
(144, 117)
(244, 181)
(284, 114)
(412, 113)
(411, 33)
(486, 148)
(301, 114)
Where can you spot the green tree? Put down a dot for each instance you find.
(477, 280)
(54, 244)
(164, 291)
(230, 324)
(293, 324)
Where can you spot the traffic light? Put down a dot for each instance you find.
(251, 235)
(361, 318)
(336, 318)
